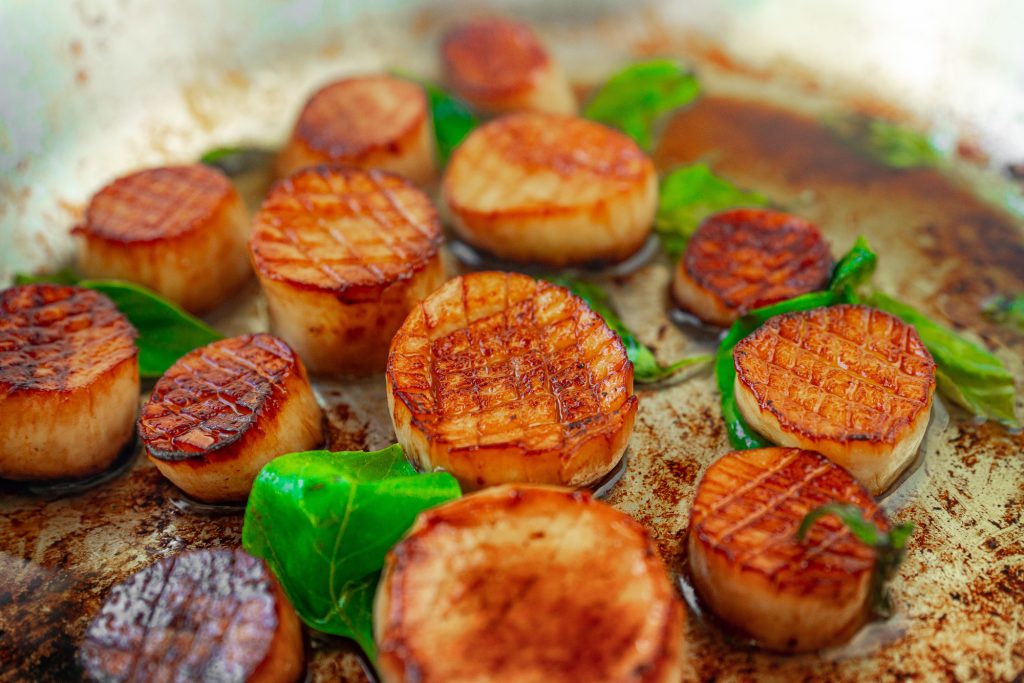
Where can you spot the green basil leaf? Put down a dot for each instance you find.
(854, 269)
(967, 374)
(889, 547)
(1007, 310)
(324, 522)
(166, 331)
(64, 276)
(646, 368)
(888, 143)
(690, 194)
(637, 96)
(234, 161)
(453, 119)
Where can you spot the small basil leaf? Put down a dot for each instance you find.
(234, 161)
(889, 547)
(888, 143)
(646, 368)
(635, 98)
(64, 276)
(854, 269)
(324, 522)
(453, 119)
(967, 374)
(166, 332)
(690, 194)
(1006, 310)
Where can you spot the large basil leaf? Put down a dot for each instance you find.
(690, 194)
(646, 368)
(166, 331)
(637, 96)
(967, 374)
(324, 522)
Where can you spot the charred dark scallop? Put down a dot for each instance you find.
(343, 255)
(373, 121)
(179, 230)
(223, 411)
(741, 259)
(500, 66)
(850, 382)
(540, 585)
(749, 566)
(500, 378)
(69, 382)
(207, 615)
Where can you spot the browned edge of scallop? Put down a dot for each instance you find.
(492, 59)
(316, 128)
(742, 259)
(297, 184)
(170, 617)
(398, 653)
(138, 208)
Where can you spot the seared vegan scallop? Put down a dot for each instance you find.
(374, 121)
(343, 254)
(499, 378)
(69, 382)
(205, 615)
(527, 585)
(500, 66)
(741, 259)
(750, 568)
(178, 230)
(851, 382)
(551, 189)
(224, 411)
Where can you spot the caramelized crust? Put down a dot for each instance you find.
(202, 615)
(851, 382)
(55, 338)
(346, 231)
(535, 585)
(553, 189)
(156, 204)
(748, 564)
(368, 121)
(742, 259)
(212, 396)
(499, 377)
(500, 65)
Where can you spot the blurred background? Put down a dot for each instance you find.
(92, 88)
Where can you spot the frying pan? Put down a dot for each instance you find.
(93, 89)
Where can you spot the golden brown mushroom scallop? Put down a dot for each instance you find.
(343, 254)
(69, 382)
(374, 121)
(527, 585)
(178, 230)
(850, 382)
(499, 378)
(225, 410)
(205, 615)
(500, 66)
(749, 566)
(741, 259)
(550, 189)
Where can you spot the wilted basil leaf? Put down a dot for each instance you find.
(888, 143)
(646, 368)
(324, 521)
(690, 194)
(890, 547)
(636, 97)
